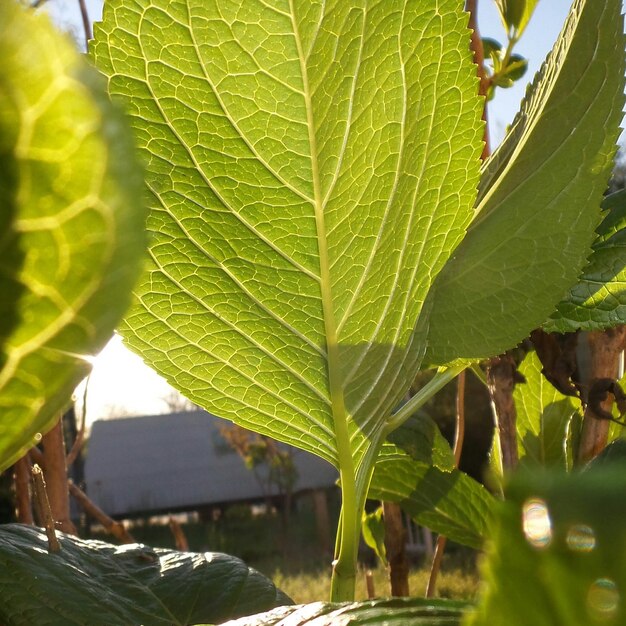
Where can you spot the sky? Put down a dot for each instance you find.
(120, 382)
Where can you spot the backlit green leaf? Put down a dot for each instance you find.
(71, 223)
(543, 417)
(93, 583)
(373, 531)
(436, 496)
(312, 166)
(598, 300)
(539, 196)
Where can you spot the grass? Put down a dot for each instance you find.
(453, 582)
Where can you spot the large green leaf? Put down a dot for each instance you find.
(435, 494)
(71, 223)
(539, 197)
(312, 166)
(557, 553)
(543, 417)
(393, 612)
(93, 583)
(598, 300)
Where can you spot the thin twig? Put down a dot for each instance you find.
(77, 446)
(22, 478)
(179, 535)
(117, 529)
(86, 23)
(459, 436)
(476, 46)
(369, 585)
(41, 495)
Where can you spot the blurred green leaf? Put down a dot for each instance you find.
(515, 15)
(390, 612)
(556, 555)
(93, 583)
(72, 223)
(490, 46)
(517, 67)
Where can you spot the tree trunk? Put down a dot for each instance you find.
(501, 379)
(395, 546)
(604, 352)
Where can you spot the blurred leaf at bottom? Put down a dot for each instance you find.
(556, 556)
(388, 612)
(93, 583)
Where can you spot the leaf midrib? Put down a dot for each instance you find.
(335, 387)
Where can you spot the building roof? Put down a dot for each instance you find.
(179, 461)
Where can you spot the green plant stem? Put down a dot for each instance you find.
(343, 581)
(441, 378)
(355, 485)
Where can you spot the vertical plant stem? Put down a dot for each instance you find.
(77, 446)
(605, 348)
(22, 481)
(501, 370)
(86, 23)
(440, 546)
(41, 495)
(476, 45)
(56, 473)
(459, 436)
(395, 546)
(369, 584)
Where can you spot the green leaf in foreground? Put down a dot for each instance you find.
(598, 300)
(437, 496)
(295, 234)
(312, 167)
(93, 583)
(557, 553)
(72, 223)
(394, 612)
(539, 197)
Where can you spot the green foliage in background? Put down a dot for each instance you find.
(598, 299)
(544, 418)
(71, 224)
(416, 469)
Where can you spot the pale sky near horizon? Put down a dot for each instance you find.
(119, 378)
